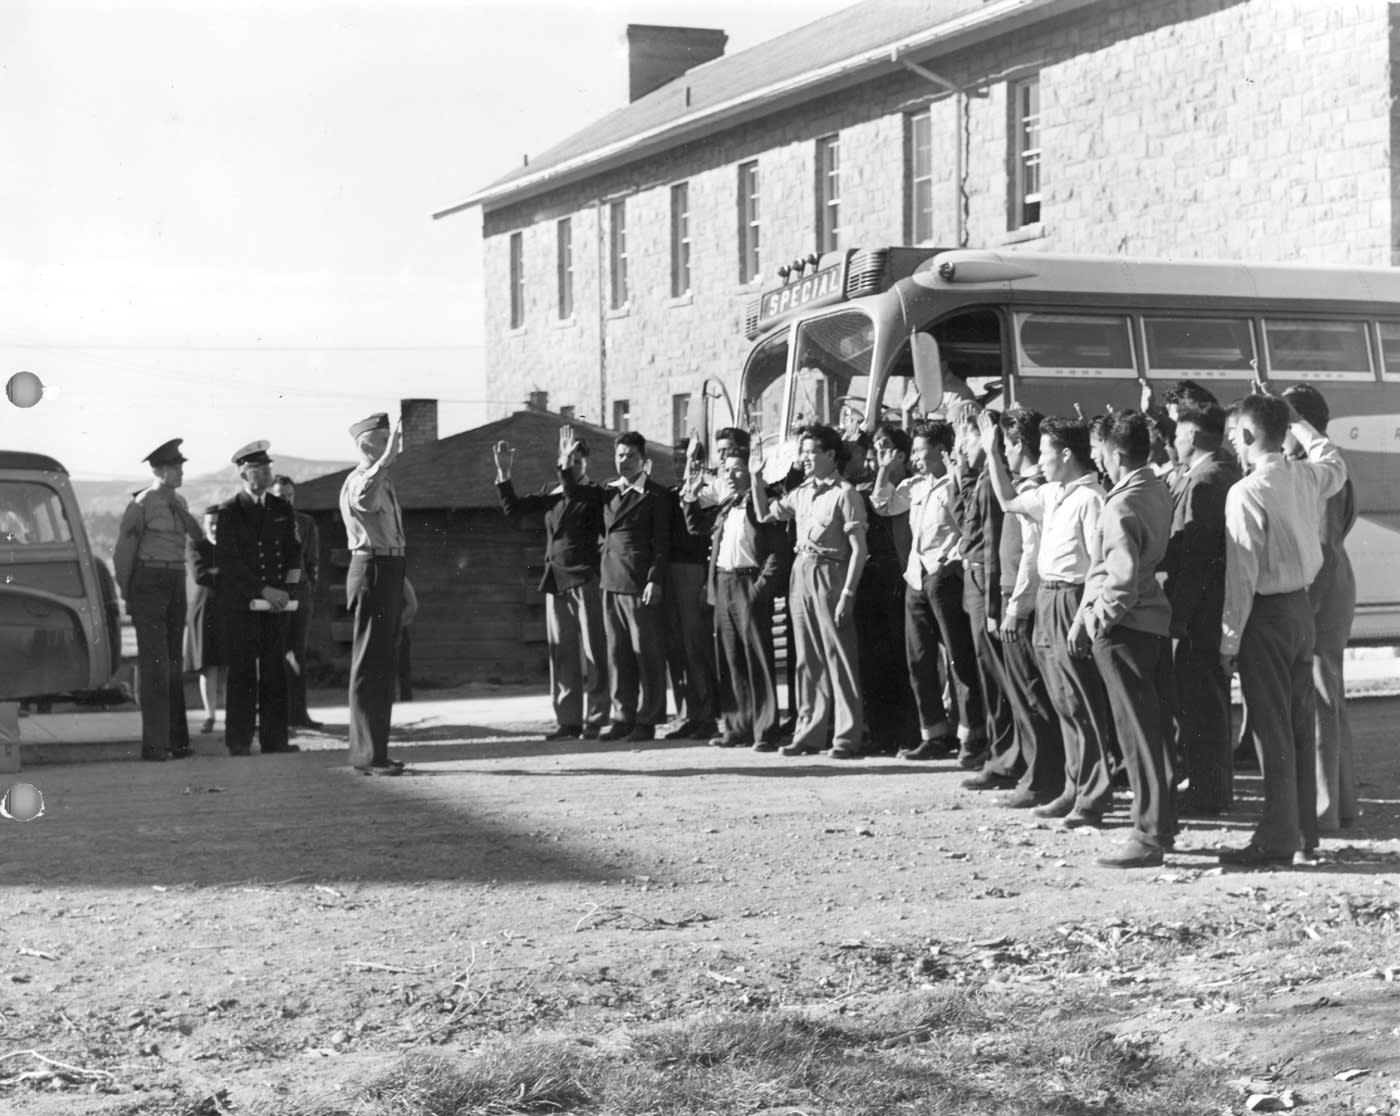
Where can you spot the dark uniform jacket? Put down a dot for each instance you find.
(573, 531)
(772, 545)
(310, 537)
(1195, 558)
(636, 533)
(256, 548)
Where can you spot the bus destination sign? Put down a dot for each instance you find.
(826, 285)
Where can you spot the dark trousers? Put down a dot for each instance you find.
(374, 594)
(156, 601)
(636, 659)
(944, 590)
(1133, 665)
(922, 643)
(1077, 693)
(690, 644)
(1203, 722)
(298, 631)
(578, 672)
(1004, 757)
(891, 715)
(1037, 725)
(257, 680)
(748, 688)
(1276, 667)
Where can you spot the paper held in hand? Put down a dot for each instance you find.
(257, 604)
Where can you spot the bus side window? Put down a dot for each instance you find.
(1318, 349)
(1199, 348)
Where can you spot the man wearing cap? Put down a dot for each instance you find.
(259, 559)
(376, 591)
(304, 593)
(150, 564)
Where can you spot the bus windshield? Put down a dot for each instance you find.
(832, 363)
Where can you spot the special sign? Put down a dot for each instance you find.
(826, 285)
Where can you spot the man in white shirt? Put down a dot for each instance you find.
(1273, 552)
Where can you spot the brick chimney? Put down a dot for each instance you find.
(420, 422)
(656, 55)
(537, 401)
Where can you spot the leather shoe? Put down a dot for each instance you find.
(207, 726)
(973, 761)
(641, 732)
(686, 730)
(798, 750)
(308, 723)
(592, 732)
(284, 748)
(1082, 819)
(1252, 856)
(843, 754)
(1133, 854)
(1056, 808)
(726, 742)
(618, 730)
(565, 732)
(155, 757)
(929, 749)
(1023, 800)
(387, 769)
(989, 780)
(766, 746)
(181, 753)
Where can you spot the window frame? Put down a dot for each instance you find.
(1199, 373)
(1026, 369)
(564, 262)
(618, 293)
(622, 415)
(828, 192)
(750, 223)
(680, 418)
(517, 279)
(915, 122)
(1322, 375)
(680, 240)
(1025, 153)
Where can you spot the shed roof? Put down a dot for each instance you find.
(458, 471)
(849, 46)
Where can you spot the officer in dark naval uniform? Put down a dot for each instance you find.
(259, 560)
(150, 564)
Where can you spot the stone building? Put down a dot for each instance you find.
(618, 264)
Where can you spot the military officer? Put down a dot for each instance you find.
(150, 564)
(304, 594)
(259, 560)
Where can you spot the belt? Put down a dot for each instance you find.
(818, 556)
(379, 552)
(1049, 584)
(745, 570)
(150, 565)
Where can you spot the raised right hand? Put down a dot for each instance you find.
(504, 455)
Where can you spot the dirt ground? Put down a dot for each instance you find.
(214, 934)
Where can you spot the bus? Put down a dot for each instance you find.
(867, 332)
(60, 621)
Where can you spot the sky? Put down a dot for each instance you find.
(215, 219)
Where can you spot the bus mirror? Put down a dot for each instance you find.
(928, 372)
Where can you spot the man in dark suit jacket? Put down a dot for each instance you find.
(573, 529)
(259, 560)
(636, 546)
(1195, 584)
(747, 569)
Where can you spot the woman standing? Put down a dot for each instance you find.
(204, 639)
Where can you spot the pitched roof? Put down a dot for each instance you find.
(458, 471)
(853, 45)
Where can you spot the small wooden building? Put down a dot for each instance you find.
(481, 618)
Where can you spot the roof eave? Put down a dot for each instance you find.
(997, 18)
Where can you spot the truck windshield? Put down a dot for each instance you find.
(833, 368)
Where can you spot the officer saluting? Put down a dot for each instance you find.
(150, 563)
(259, 557)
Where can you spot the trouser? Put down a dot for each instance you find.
(944, 589)
(636, 659)
(828, 661)
(298, 633)
(891, 715)
(578, 675)
(1077, 693)
(1276, 667)
(922, 644)
(748, 689)
(1133, 667)
(1203, 722)
(1004, 757)
(1037, 725)
(374, 593)
(1336, 777)
(257, 680)
(156, 601)
(690, 645)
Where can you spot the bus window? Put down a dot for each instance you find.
(1199, 348)
(1390, 350)
(763, 384)
(833, 367)
(1317, 349)
(1082, 345)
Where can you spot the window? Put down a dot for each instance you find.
(565, 236)
(517, 280)
(1317, 349)
(680, 418)
(1084, 345)
(622, 415)
(32, 513)
(1025, 152)
(617, 252)
(828, 193)
(680, 239)
(1199, 348)
(920, 168)
(833, 367)
(748, 222)
(1390, 349)
(567, 413)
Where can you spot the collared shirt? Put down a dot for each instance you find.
(623, 485)
(1020, 552)
(933, 528)
(1273, 541)
(738, 548)
(1122, 587)
(828, 512)
(154, 528)
(1068, 515)
(370, 508)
